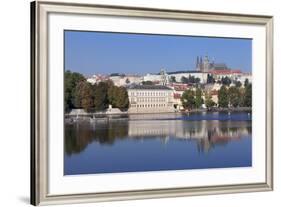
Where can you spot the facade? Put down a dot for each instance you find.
(178, 90)
(150, 99)
(163, 78)
(232, 74)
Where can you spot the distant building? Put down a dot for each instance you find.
(205, 65)
(161, 78)
(97, 78)
(178, 90)
(123, 80)
(116, 78)
(243, 76)
(150, 99)
(232, 74)
(155, 78)
(164, 78)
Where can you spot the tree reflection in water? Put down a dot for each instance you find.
(208, 132)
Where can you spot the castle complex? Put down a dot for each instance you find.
(161, 92)
(205, 65)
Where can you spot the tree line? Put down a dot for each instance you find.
(81, 94)
(233, 96)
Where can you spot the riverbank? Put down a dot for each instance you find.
(82, 113)
(106, 117)
(237, 109)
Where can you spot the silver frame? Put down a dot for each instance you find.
(39, 100)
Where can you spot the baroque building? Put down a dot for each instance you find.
(150, 99)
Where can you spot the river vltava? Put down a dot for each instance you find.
(153, 142)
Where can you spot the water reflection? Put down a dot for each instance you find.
(207, 130)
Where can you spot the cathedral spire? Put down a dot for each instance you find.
(197, 63)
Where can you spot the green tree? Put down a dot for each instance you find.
(210, 79)
(197, 80)
(118, 97)
(147, 83)
(238, 84)
(122, 100)
(184, 79)
(223, 97)
(100, 95)
(198, 98)
(226, 81)
(187, 99)
(71, 79)
(173, 79)
(248, 96)
(190, 79)
(234, 96)
(208, 100)
(111, 95)
(246, 82)
(84, 96)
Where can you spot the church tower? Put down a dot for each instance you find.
(164, 77)
(206, 64)
(197, 64)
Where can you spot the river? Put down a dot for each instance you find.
(153, 142)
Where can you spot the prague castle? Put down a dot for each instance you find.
(161, 92)
(205, 65)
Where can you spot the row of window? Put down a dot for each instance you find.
(148, 105)
(148, 99)
(155, 93)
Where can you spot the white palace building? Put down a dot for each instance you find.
(150, 99)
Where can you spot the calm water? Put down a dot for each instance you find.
(158, 142)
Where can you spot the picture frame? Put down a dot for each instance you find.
(40, 94)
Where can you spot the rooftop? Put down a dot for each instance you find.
(184, 71)
(220, 66)
(224, 72)
(149, 87)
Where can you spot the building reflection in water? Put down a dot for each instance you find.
(206, 133)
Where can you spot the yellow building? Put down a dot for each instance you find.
(150, 99)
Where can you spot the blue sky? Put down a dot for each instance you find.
(104, 53)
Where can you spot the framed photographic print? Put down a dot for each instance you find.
(133, 103)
